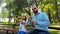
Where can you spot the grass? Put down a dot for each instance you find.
(55, 25)
(54, 31)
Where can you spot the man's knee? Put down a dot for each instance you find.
(43, 33)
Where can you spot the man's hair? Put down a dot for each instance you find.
(34, 5)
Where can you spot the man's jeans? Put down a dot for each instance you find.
(39, 32)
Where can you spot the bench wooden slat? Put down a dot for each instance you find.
(9, 29)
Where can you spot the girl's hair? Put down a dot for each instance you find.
(25, 17)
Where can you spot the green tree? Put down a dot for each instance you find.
(51, 8)
(4, 14)
(16, 7)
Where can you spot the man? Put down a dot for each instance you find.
(40, 21)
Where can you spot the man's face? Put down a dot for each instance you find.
(34, 9)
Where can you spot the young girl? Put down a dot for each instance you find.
(22, 29)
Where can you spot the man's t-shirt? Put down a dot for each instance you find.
(42, 21)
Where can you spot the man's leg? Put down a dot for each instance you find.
(33, 32)
(43, 33)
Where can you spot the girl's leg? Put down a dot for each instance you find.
(21, 32)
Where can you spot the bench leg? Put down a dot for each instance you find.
(7, 32)
(12, 32)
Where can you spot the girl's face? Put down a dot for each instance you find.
(23, 17)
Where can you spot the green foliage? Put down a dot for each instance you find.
(52, 7)
(16, 6)
(4, 14)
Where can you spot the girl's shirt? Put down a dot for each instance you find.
(22, 27)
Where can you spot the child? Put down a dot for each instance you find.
(22, 29)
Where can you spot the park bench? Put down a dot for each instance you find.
(15, 30)
(9, 29)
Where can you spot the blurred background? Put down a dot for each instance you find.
(10, 9)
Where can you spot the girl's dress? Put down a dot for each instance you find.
(22, 29)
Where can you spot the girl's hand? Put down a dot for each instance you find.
(34, 22)
(29, 18)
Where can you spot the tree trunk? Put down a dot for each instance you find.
(49, 15)
(9, 21)
(56, 8)
(14, 19)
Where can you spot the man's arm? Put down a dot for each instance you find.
(31, 24)
(30, 21)
(45, 21)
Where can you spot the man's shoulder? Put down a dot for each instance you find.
(42, 12)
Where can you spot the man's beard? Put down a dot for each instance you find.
(35, 12)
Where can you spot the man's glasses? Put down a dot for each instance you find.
(33, 8)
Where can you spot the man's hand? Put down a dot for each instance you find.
(25, 25)
(29, 18)
(34, 22)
